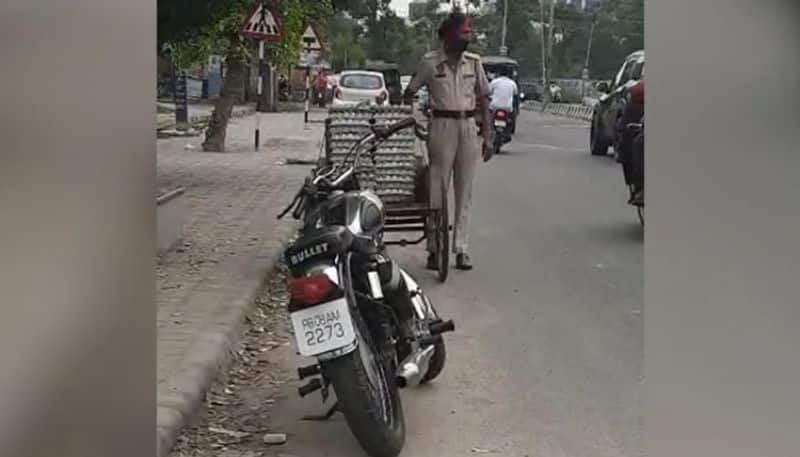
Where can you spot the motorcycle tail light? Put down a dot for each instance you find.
(501, 114)
(310, 290)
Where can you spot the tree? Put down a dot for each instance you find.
(194, 40)
(619, 31)
(341, 36)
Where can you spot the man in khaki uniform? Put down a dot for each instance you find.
(457, 94)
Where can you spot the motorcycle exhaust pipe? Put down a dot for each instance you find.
(413, 368)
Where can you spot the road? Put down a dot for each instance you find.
(547, 357)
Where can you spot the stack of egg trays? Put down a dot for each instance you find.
(393, 172)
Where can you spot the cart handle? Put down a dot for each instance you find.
(383, 133)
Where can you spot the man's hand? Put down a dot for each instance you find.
(488, 150)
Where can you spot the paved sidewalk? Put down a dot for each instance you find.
(231, 241)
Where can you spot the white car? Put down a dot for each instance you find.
(361, 87)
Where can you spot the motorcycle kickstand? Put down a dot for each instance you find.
(323, 417)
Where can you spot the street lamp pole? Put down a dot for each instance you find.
(503, 48)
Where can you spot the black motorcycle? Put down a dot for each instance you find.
(363, 318)
(636, 131)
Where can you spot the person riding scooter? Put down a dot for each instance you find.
(503, 95)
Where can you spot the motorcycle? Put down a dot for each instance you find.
(366, 321)
(636, 130)
(503, 123)
(319, 97)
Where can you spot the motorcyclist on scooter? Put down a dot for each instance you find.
(502, 93)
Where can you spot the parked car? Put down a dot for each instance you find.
(391, 77)
(359, 86)
(609, 107)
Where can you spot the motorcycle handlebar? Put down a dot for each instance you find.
(385, 132)
(380, 133)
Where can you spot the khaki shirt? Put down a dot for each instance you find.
(462, 88)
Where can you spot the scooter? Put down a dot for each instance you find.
(503, 123)
(319, 98)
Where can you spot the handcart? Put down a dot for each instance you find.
(397, 171)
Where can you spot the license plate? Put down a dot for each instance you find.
(500, 123)
(323, 328)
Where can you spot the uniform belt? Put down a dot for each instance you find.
(453, 114)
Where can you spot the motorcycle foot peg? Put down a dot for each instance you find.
(306, 372)
(312, 386)
(437, 328)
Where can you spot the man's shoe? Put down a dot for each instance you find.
(463, 262)
(433, 262)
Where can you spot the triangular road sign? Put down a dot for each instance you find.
(311, 41)
(262, 24)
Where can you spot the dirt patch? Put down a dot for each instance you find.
(237, 411)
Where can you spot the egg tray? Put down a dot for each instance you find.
(391, 172)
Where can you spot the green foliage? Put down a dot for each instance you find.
(220, 32)
(356, 30)
(295, 16)
(341, 35)
(620, 31)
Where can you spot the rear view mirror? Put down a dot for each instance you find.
(602, 87)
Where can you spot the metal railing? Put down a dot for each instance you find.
(571, 110)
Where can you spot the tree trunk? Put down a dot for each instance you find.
(232, 92)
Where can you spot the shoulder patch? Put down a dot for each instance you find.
(472, 55)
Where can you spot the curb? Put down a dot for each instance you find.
(211, 354)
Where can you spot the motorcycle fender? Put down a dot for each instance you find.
(420, 307)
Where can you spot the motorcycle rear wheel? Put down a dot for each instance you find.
(373, 412)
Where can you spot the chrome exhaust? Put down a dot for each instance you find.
(413, 368)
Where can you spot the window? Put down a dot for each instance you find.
(621, 76)
(361, 81)
(638, 69)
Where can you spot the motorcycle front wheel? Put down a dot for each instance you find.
(369, 399)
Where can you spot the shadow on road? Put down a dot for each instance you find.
(621, 233)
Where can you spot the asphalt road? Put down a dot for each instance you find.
(547, 357)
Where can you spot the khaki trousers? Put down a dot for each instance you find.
(453, 150)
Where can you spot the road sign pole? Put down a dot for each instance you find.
(260, 89)
(308, 93)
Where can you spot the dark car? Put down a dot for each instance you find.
(391, 76)
(609, 107)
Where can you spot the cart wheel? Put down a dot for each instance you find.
(443, 240)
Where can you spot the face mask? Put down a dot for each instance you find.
(457, 45)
